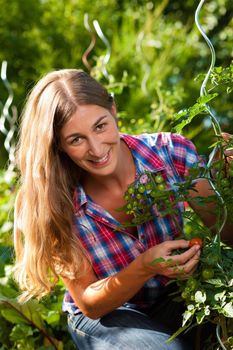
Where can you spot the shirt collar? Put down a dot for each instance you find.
(145, 158)
(80, 197)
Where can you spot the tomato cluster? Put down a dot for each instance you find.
(142, 195)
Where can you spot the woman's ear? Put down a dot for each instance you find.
(114, 110)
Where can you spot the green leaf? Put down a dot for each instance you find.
(33, 310)
(206, 98)
(220, 296)
(216, 282)
(228, 310)
(13, 316)
(186, 316)
(7, 292)
(27, 313)
(21, 331)
(52, 317)
(200, 297)
(158, 261)
(200, 315)
(178, 332)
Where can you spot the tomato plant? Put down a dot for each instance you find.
(208, 293)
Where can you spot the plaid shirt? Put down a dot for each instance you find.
(111, 249)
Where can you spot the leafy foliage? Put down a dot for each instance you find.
(33, 325)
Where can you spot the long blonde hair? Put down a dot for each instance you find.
(45, 241)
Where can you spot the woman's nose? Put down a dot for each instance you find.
(95, 147)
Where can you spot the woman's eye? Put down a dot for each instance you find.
(100, 126)
(76, 140)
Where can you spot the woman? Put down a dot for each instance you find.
(75, 168)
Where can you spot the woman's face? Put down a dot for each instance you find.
(91, 139)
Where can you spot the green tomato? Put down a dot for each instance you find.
(141, 188)
(212, 259)
(153, 194)
(149, 186)
(186, 293)
(207, 273)
(138, 196)
(225, 183)
(159, 179)
(218, 165)
(130, 190)
(161, 187)
(220, 175)
(192, 283)
(230, 171)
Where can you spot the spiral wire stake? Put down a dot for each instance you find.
(219, 338)
(92, 43)
(6, 106)
(107, 44)
(146, 66)
(214, 121)
(217, 131)
(7, 116)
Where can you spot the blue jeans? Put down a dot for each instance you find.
(128, 329)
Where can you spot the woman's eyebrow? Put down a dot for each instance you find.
(98, 121)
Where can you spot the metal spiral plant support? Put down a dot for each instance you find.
(8, 117)
(217, 131)
(146, 66)
(103, 38)
(92, 43)
(108, 47)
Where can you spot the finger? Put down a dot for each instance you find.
(226, 135)
(181, 259)
(176, 244)
(229, 153)
(186, 270)
(191, 265)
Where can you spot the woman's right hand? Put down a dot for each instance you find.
(159, 260)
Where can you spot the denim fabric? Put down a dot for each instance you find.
(129, 329)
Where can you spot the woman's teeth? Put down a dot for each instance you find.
(103, 159)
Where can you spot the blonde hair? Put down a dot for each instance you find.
(45, 241)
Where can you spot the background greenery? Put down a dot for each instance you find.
(156, 54)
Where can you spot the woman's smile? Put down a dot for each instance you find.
(101, 162)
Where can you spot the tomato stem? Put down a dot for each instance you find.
(222, 339)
